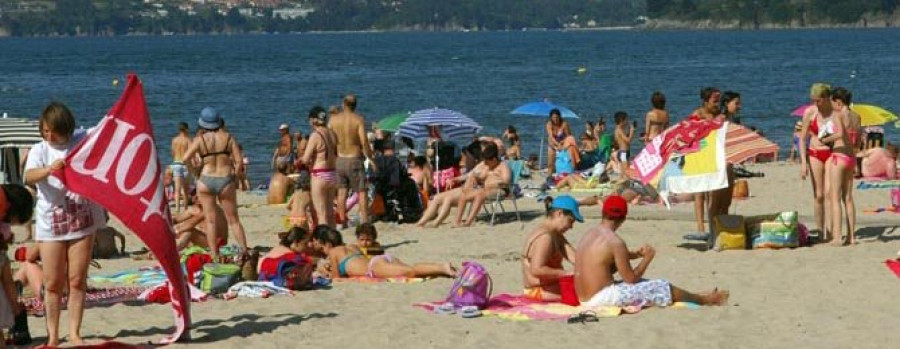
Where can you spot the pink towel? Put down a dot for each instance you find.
(894, 266)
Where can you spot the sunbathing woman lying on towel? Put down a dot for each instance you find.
(347, 261)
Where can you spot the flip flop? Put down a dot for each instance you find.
(470, 311)
(583, 317)
(696, 237)
(445, 309)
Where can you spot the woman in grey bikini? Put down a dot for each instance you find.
(220, 155)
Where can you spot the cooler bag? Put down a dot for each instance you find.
(217, 278)
(778, 232)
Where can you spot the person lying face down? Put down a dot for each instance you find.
(349, 261)
(488, 179)
(601, 254)
(546, 248)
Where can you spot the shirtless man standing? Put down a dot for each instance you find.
(284, 150)
(179, 168)
(494, 178)
(602, 253)
(657, 119)
(353, 150)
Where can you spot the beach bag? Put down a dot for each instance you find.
(472, 287)
(294, 274)
(564, 162)
(776, 231)
(732, 232)
(741, 189)
(218, 277)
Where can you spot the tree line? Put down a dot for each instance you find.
(121, 17)
(799, 12)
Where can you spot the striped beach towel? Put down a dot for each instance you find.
(887, 184)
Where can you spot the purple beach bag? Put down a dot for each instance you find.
(473, 286)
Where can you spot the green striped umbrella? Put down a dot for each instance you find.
(391, 123)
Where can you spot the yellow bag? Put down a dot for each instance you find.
(732, 234)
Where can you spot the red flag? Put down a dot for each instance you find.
(117, 167)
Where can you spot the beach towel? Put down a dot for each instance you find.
(149, 276)
(112, 345)
(95, 297)
(682, 138)
(256, 289)
(521, 308)
(894, 266)
(160, 294)
(885, 184)
(368, 280)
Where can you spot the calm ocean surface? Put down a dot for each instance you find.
(259, 82)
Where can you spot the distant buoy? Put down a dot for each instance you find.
(115, 82)
(581, 70)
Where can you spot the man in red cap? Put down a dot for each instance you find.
(602, 253)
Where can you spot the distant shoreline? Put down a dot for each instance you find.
(374, 31)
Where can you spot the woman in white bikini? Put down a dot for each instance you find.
(219, 154)
(320, 156)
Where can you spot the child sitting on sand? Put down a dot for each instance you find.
(546, 248)
(345, 261)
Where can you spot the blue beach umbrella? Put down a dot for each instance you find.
(542, 109)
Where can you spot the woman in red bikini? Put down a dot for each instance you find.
(841, 166)
(815, 121)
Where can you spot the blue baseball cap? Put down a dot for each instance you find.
(568, 203)
(210, 119)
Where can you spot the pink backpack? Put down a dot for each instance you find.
(473, 286)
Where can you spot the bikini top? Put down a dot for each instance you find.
(224, 151)
(325, 143)
(530, 243)
(814, 125)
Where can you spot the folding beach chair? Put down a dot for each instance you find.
(515, 168)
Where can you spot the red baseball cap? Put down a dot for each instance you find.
(615, 207)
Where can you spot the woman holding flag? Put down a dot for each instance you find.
(65, 222)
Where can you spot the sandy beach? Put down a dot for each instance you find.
(821, 296)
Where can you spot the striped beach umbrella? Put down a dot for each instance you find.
(18, 133)
(452, 124)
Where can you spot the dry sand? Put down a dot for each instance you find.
(822, 296)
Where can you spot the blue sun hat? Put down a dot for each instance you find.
(210, 119)
(568, 203)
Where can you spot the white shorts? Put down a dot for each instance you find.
(655, 292)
